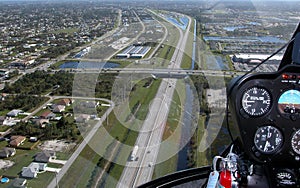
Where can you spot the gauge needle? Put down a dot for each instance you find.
(269, 134)
(266, 146)
(249, 101)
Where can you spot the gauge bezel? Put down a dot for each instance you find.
(265, 110)
(294, 134)
(283, 114)
(277, 147)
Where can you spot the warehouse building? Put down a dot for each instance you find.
(134, 52)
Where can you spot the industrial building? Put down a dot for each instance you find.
(134, 52)
(255, 58)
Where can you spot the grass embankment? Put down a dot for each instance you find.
(201, 156)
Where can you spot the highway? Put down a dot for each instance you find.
(139, 172)
(160, 71)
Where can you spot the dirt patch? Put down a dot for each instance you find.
(57, 145)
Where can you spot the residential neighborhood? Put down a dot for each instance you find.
(32, 36)
(44, 158)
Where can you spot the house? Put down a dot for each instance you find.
(65, 102)
(2, 119)
(29, 172)
(32, 170)
(88, 104)
(4, 73)
(14, 113)
(10, 121)
(41, 122)
(91, 104)
(15, 141)
(59, 108)
(48, 115)
(7, 152)
(82, 118)
(45, 156)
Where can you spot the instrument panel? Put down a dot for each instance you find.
(266, 109)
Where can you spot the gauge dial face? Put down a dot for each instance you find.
(268, 139)
(296, 142)
(256, 101)
(286, 177)
(289, 102)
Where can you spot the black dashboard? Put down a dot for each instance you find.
(266, 109)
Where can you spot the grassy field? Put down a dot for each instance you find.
(42, 180)
(81, 169)
(203, 51)
(229, 63)
(186, 61)
(143, 97)
(201, 157)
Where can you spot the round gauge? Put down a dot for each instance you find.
(296, 142)
(268, 139)
(256, 101)
(286, 177)
(289, 102)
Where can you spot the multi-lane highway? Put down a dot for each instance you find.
(173, 71)
(139, 172)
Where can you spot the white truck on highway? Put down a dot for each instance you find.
(133, 156)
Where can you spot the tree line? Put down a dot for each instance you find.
(22, 102)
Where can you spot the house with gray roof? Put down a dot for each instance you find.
(14, 113)
(59, 108)
(45, 156)
(32, 170)
(7, 152)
